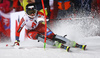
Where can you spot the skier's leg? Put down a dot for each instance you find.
(35, 35)
(76, 45)
(62, 40)
(68, 42)
(40, 37)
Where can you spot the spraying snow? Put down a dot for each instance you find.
(77, 28)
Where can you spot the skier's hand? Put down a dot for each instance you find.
(42, 19)
(17, 43)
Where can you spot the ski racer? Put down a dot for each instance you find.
(35, 30)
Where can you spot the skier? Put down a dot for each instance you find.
(35, 30)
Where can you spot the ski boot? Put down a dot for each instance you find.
(83, 47)
(60, 45)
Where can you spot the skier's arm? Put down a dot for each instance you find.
(41, 17)
(18, 30)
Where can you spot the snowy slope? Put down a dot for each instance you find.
(32, 49)
(84, 32)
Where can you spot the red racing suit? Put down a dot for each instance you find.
(33, 27)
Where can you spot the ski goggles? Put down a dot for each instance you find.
(29, 12)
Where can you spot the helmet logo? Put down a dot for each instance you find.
(31, 7)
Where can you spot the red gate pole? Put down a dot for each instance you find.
(45, 23)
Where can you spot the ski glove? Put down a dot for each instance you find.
(41, 19)
(17, 43)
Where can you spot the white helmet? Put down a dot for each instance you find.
(31, 8)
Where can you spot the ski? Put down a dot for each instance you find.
(64, 48)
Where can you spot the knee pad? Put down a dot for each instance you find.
(33, 35)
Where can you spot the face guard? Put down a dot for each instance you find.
(31, 9)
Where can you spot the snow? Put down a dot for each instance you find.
(32, 49)
(76, 32)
